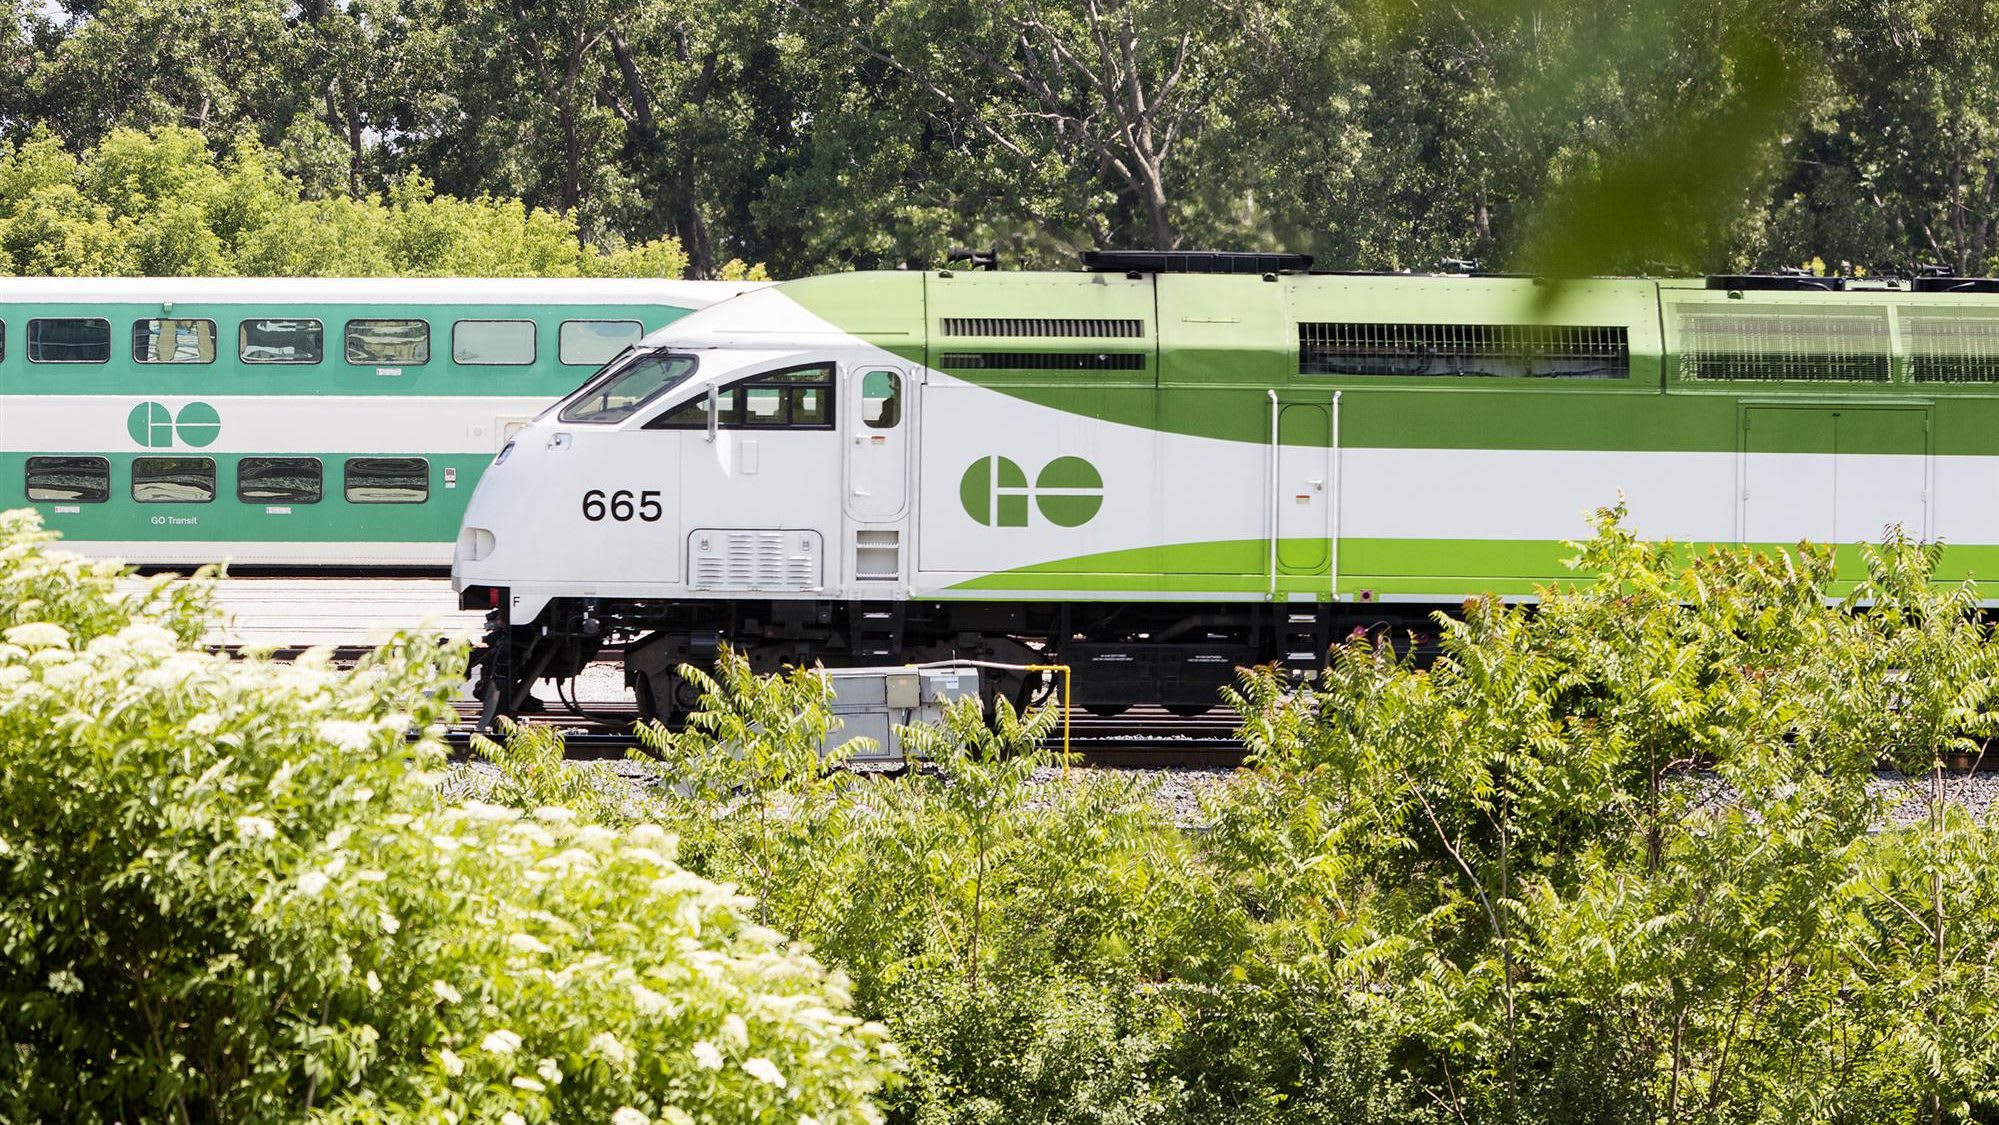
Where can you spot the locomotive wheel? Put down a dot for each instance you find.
(1107, 710)
(1189, 710)
(669, 703)
(995, 685)
(648, 706)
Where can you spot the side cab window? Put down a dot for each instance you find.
(790, 398)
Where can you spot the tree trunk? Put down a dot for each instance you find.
(635, 87)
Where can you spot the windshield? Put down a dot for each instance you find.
(628, 385)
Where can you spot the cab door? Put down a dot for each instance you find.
(876, 481)
(877, 444)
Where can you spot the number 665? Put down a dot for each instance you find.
(618, 505)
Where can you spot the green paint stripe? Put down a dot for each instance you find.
(1444, 568)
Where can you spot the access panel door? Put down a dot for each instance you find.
(1788, 489)
(1304, 493)
(1834, 474)
(1884, 471)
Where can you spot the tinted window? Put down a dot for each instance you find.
(691, 415)
(495, 342)
(173, 480)
(808, 406)
(69, 340)
(388, 342)
(797, 398)
(3, 339)
(280, 341)
(594, 343)
(278, 480)
(763, 406)
(387, 480)
(881, 399)
(84, 480)
(173, 341)
(622, 389)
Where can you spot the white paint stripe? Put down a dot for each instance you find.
(198, 552)
(274, 424)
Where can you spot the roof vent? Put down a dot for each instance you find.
(1193, 261)
(1777, 282)
(1935, 284)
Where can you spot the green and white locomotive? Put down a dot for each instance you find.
(1172, 464)
(295, 422)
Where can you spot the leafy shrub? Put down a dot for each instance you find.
(229, 889)
(1623, 857)
(1619, 857)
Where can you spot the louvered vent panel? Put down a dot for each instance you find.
(1042, 361)
(1552, 351)
(1785, 343)
(1042, 327)
(754, 560)
(1947, 348)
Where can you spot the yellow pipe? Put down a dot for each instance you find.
(1064, 669)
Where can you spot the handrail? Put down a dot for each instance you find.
(1333, 517)
(1276, 464)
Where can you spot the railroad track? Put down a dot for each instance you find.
(1143, 738)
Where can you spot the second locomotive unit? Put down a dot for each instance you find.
(1167, 466)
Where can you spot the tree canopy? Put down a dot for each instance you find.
(1562, 135)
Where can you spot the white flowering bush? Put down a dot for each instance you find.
(230, 890)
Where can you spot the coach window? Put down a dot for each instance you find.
(161, 340)
(796, 398)
(3, 339)
(173, 480)
(493, 343)
(70, 339)
(594, 343)
(280, 341)
(389, 343)
(387, 480)
(881, 399)
(77, 480)
(279, 480)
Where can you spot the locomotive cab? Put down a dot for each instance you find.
(738, 460)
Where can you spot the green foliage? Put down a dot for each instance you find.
(1571, 921)
(1623, 856)
(159, 203)
(229, 889)
(1569, 136)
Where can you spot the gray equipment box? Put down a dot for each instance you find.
(872, 702)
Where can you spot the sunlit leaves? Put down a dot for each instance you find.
(231, 888)
(160, 203)
(1642, 821)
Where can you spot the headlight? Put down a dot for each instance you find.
(474, 543)
(505, 450)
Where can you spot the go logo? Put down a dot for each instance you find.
(154, 427)
(1068, 491)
